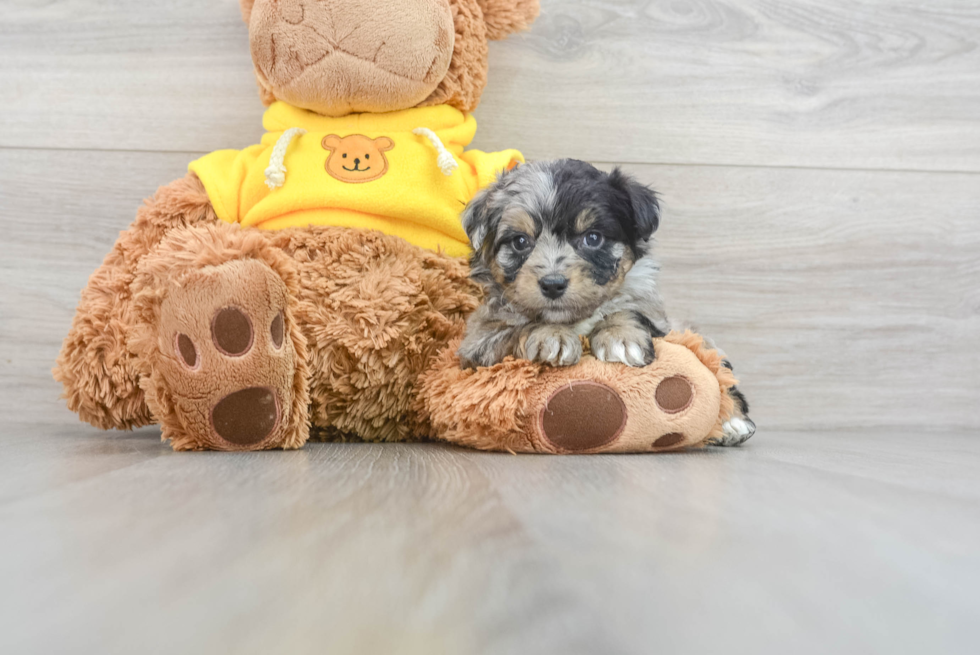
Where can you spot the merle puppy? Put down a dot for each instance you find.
(561, 250)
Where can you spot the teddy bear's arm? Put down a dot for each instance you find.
(95, 366)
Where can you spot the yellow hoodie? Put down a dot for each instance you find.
(369, 171)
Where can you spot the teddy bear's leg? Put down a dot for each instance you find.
(678, 401)
(376, 312)
(99, 373)
(222, 359)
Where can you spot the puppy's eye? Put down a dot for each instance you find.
(521, 243)
(344, 155)
(367, 156)
(592, 239)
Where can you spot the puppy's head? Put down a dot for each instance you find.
(555, 239)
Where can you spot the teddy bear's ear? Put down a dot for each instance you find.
(246, 9)
(331, 142)
(504, 17)
(383, 144)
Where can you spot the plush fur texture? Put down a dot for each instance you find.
(375, 311)
(350, 332)
(201, 270)
(504, 17)
(99, 372)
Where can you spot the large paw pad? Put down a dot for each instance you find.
(583, 416)
(247, 416)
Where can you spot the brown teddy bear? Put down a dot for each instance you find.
(317, 279)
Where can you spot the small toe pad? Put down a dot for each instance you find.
(232, 331)
(669, 440)
(674, 394)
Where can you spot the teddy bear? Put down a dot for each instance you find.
(317, 283)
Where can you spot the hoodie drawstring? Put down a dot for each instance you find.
(275, 174)
(447, 163)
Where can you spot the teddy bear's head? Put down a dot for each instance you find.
(337, 57)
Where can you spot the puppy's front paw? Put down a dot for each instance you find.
(623, 345)
(553, 344)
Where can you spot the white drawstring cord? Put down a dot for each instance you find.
(447, 163)
(275, 174)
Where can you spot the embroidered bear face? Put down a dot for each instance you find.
(357, 158)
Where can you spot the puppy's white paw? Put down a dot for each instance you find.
(736, 432)
(553, 344)
(622, 346)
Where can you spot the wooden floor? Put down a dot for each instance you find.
(820, 542)
(820, 169)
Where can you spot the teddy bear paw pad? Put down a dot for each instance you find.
(246, 416)
(583, 416)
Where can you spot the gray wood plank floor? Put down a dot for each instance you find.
(820, 169)
(822, 542)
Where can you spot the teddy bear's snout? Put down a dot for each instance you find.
(337, 58)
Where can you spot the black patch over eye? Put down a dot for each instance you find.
(593, 239)
(521, 243)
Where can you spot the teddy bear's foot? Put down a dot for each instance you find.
(226, 363)
(676, 402)
(231, 367)
(615, 408)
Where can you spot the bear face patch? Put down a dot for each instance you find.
(357, 158)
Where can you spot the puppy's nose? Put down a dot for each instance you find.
(357, 162)
(553, 286)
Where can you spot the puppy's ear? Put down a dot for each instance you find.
(642, 202)
(476, 219)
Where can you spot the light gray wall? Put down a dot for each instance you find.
(819, 164)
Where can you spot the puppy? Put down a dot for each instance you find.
(561, 250)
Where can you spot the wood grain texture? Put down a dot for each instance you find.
(883, 84)
(799, 543)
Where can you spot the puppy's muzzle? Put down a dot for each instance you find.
(553, 286)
